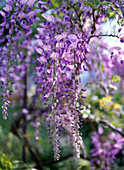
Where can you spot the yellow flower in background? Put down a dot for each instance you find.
(116, 106)
(107, 99)
(104, 102)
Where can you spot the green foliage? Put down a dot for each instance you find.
(115, 79)
(93, 3)
(83, 165)
(19, 165)
(5, 162)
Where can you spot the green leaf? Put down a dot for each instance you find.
(84, 165)
(102, 69)
(98, 64)
(93, 3)
(116, 78)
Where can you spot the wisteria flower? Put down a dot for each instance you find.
(39, 50)
(60, 36)
(54, 55)
(39, 42)
(42, 59)
(121, 38)
(30, 3)
(48, 17)
(7, 8)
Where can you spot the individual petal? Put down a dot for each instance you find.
(39, 50)
(47, 47)
(54, 55)
(7, 8)
(23, 2)
(30, 2)
(42, 59)
(39, 42)
(40, 30)
(72, 37)
(48, 17)
(2, 13)
(60, 36)
(60, 45)
(22, 15)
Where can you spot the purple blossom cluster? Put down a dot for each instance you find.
(117, 58)
(61, 60)
(105, 149)
(16, 54)
(62, 48)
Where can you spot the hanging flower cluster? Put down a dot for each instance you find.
(61, 46)
(61, 62)
(17, 19)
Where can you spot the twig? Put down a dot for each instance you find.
(106, 123)
(29, 146)
(24, 128)
(103, 35)
(70, 155)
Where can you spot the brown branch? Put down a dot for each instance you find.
(24, 128)
(106, 123)
(61, 159)
(34, 156)
(70, 155)
(93, 26)
(102, 35)
(29, 146)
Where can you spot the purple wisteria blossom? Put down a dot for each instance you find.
(63, 49)
(105, 149)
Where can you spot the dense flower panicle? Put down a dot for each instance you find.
(65, 50)
(68, 52)
(105, 149)
(18, 23)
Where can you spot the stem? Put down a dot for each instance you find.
(76, 116)
(54, 74)
(103, 35)
(24, 129)
(54, 107)
(106, 123)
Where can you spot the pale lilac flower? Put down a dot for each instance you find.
(60, 45)
(39, 50)
(60, 36)
(22, 15)
(72, 37)
(24, 2)
(48, 17)
(40, 30)
(47, 48)
(42, 59)
(25, 111)
(7, 8)
(2, 13)
(39, 42)
(54, 55)
(30, 3)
